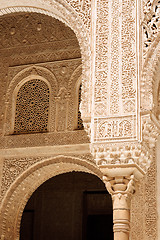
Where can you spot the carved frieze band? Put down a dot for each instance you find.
(117, 128)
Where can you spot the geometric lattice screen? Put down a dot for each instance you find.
(32, 107)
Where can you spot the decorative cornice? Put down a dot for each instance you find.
(122, 153)
(134, 152)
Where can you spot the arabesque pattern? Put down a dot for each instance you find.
(120, 134)
(32, 107)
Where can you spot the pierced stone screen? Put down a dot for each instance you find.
(32, 107)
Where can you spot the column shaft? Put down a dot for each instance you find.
(121, 189)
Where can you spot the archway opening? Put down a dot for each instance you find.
(69, 206)
(41, 54)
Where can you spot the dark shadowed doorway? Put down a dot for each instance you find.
(70, 206)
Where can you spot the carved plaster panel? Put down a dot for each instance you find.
(143, 209)
(138, 213)
(101, 58)
(151, 202)
(81, 7)
(115, 128)
(115, 105)
(150, 24)
(14, 167)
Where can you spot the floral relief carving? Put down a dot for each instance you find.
(151, 202)
(116, 71)
(150, 23)
(129, 106)
(128, 38)
(138, 213)
(83, 8)
(115, 47)
(101, 64)
(13, 167)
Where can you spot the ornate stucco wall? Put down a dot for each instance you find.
(112, 48)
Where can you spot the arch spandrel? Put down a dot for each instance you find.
(23, 187)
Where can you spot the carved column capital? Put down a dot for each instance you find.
(121, 188)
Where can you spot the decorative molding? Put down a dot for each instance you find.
(62, 102)
(150, 133)
(44, 139)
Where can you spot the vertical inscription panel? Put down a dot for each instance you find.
(116, 68)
